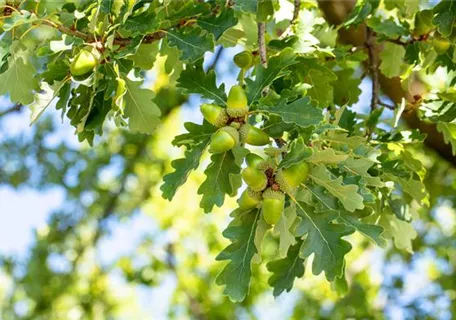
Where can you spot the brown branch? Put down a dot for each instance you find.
(262, 43)
(68, 31)
(373, 67)
(297, 7)
(16, 108)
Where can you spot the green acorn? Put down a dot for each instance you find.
(249, 199)
(214, 114)
(253, 160)
(244, 59)
(441, 45)
(237, 102)
(255, 179)
(293, 176)
(84, 63)
(223, 140)
(273, 204)
(253, 136)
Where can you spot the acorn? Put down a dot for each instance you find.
(84, 63)
(223, 140)
(441, 45)
(214, 114)
(244, 59)
(249, 199)
(253, 136)
(291, 177)
(237, 102)
(273, 205)
(255, 179)
(253, 160)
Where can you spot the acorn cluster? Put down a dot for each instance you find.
(232, 122)
(267, 185)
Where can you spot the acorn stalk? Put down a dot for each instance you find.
(224, 140)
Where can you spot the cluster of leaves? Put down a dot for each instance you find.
(363, 177)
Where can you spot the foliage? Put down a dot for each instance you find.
(366, 172)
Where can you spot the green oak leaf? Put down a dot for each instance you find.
(283, 229)
(298, 152)
(141, 24)
(237, 273)
(386, 28)
(320, 78)
(266, 75)
(360, 166)
(346, 194)
(18, 81)
(106, 6)
(43, 99)
(327, 156)
(220, 178)
(300, 112)
(445, 16)
(392, 57)
(18, 18)
(324, 240)
(192, 43)
(286, 270)
(449, 134)
(145, 55)
(217, 25)
(400, 231)
(142, 113)
(346, 89)
(182, 169)
(194, 80)
(371, 231)
(196, 134)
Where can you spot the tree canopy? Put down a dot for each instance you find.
(328, 128)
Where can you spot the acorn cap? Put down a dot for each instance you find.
(232, 131)
(271, 194)
(237, 112)
(244, 132)
(265, 165)
(282, 181)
